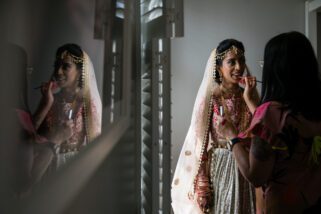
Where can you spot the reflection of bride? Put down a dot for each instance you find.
(206, 172)
(69, 114)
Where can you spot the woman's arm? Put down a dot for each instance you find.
(44, 106)
(257, 165)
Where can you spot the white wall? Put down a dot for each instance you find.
(207, 22)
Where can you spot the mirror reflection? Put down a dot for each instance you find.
(69, 112)
(58, 67)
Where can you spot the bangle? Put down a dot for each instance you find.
(234, 141)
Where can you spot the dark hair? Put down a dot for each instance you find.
(73, 49)
(223, 46)
(291, 75)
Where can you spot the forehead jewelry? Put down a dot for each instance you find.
(75, 59)
(238, 52)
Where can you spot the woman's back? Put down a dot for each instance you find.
(294, 183)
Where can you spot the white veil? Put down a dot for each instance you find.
(182, 192)
(92, 101)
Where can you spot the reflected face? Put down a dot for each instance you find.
(67, 74)
(232, 68)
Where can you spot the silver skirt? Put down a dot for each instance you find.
(232, 193)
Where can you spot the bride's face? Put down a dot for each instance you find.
(232, 68)
(67, 74)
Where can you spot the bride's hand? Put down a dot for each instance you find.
(203, 191)
(250, 85)
(46, 90)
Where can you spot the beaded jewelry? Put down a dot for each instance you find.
(233, 49)
(75, 59)
(84, 77)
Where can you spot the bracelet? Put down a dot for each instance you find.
(233, 141)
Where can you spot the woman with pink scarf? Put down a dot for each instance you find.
(284, 135)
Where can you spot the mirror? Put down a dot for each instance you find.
(36, 31)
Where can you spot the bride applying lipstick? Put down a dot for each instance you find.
(207, 179)
(69, 114)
